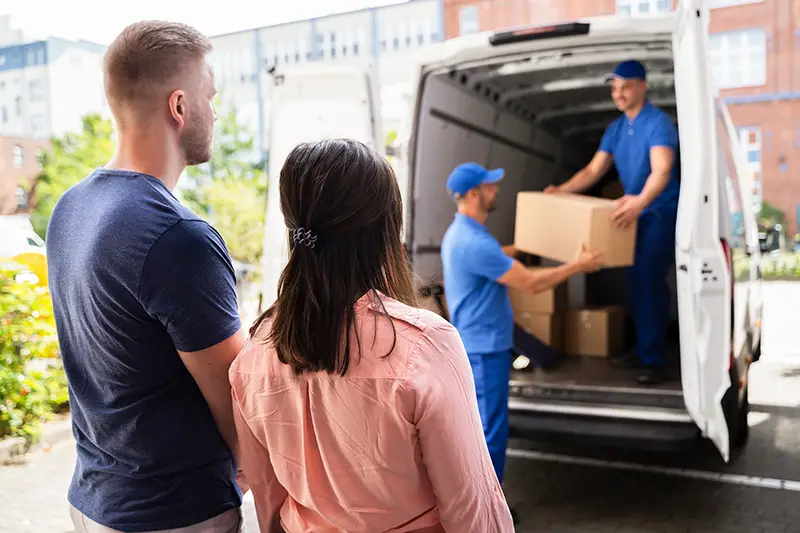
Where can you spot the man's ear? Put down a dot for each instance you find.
(177, 107)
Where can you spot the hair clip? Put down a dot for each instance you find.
(304, 237)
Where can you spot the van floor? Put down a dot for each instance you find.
(596, 372)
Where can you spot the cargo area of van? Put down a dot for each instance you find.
(541, 116)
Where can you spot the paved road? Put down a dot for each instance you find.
(582, 489)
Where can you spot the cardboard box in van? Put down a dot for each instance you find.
(552, 226)
(548, 328)
(597, 332)
(548, 301)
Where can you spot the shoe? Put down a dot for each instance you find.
(628, 360)
(652, 376)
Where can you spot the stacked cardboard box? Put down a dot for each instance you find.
(541, 314)
(594, 332)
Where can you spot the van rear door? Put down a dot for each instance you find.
(308, 105)
(703, 277)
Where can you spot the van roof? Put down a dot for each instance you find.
(610, 28)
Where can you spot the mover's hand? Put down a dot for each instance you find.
(551, 189)
(588, 260)
(629, 207)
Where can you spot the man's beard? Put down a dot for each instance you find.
(196, 147)
(488, 205)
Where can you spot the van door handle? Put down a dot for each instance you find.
(683, 267)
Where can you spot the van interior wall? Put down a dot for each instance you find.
(456, 127)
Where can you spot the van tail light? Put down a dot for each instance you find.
(726, 249)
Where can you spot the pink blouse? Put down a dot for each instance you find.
(394, 446)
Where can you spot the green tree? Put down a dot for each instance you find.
(231, 190)
(71, 158)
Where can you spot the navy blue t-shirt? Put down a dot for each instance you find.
(135, 276)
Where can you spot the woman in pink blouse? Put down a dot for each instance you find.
(375, 430)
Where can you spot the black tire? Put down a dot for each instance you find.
(736, 414)
(740, 437)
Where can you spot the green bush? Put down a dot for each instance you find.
(32, 382)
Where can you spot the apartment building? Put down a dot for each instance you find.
(755, 53)
(384, 37)
(47, 86)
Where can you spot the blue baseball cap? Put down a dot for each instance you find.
(467, 176)
(627, 70)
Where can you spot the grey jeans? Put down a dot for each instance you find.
(228, 522)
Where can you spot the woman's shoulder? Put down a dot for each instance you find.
(253, 358)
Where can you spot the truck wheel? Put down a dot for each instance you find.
(739, 439)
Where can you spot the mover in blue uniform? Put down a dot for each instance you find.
(476, 272)
(642, 144)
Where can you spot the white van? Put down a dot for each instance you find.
(532, 101)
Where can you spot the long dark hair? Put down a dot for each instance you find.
(345, 197)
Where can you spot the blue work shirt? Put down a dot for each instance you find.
(480, 310)
(135, 276)
(629, 143)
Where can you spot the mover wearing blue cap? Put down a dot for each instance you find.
(642, 144)
(477, 270)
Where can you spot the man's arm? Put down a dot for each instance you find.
(541, 279)
(209, 368)
(486, 258)
(189, 285)
(510, 250)
(661, 161)
(587, 176)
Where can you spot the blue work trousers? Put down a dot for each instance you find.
(492, 372)
(647, 284)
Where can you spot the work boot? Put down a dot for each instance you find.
(652, 376)
(626, 360)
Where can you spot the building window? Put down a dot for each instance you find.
(36, 89)
(468, 20)
(22, 198)
(629, 8)
(713, 4)
(37, 126)
(18, 105)
(739, 58)
(750, 141)
(333, 44)
(17, 156)
(5, 114)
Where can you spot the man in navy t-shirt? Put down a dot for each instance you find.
(145, 305)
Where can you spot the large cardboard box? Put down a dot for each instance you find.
(552, 226)
(548, 301)
(548, 328)
(597, 332)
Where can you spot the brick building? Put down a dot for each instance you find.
(19, 166)
(755, 50)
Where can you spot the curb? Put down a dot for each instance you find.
(12, 450)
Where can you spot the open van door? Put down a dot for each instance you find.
(703, 276)
(312, 104)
